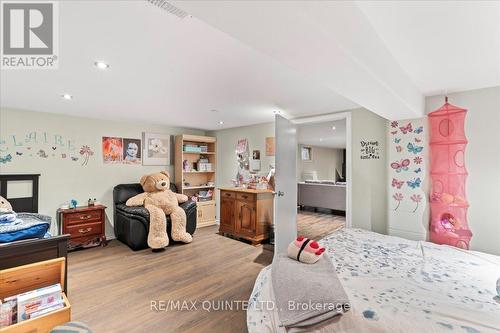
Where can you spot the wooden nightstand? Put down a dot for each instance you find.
(84, 224)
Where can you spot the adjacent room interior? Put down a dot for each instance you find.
(321, 178)
(249, 166)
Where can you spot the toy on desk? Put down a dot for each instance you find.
(305, 250)
(73, 203)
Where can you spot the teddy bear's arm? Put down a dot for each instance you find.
(181, 198)
(137, 200)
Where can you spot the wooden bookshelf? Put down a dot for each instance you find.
(196, 179)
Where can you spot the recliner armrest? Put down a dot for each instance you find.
(188, 206)
(133, 210)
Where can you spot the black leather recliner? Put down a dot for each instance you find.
(132, 223)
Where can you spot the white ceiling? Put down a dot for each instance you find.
(442, 45)
(248, 59)
(322, 134)
(163, 70)
(331, 42)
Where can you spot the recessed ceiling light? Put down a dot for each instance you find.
(320, 139)
(221, 122)
(101, 65)
(67, 97)
(277, 112)
(334, 128)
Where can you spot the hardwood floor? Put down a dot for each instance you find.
(316, 225)
(111, 288)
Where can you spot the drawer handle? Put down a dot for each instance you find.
(86, 217)
(228, 194)
(84, 231)
(245, 196)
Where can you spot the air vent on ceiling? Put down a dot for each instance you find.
(169, 8)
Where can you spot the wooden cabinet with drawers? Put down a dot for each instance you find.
(84, 224)
(246, 213)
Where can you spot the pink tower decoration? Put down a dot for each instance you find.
(448, 176)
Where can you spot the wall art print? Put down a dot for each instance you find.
(370, 150)
(112, 150)
(156, 149)
(132, 151)
(44, 146)
(117, 150)
(270, 146)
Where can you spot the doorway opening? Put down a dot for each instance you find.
(321, 178)
(291, 150)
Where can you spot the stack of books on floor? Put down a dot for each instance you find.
(31, 304)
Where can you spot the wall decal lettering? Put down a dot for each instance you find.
(43, 144)
(370, 150)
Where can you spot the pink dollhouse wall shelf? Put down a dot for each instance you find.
(448, 176)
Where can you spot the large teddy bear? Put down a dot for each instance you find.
(159, 200)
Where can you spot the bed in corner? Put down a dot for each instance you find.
(398, 285)
(28, 251)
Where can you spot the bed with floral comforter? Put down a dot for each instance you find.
(398, 285)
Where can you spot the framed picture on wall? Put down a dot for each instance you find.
(112, 150)
(306, 153)
(155, 149)
(132, 151)
(270, 148)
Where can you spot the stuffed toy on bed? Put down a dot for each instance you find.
(7, 215)
(14, 226)
(305, 250)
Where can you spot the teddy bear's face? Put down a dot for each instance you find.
(156, 182)
(4, 204)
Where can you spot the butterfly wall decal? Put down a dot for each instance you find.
(5, 159)
(397, 140)
(74, 158)
(418, 170)
(406, 129)
(399, 149)
(54, 148)
(418, 140)
(401, 166)
(419, 129)
(414, 183)
(397, 183)
(414, 148)
(42, 153)
(394, 124)
(394, 132)
(19, 153)
(63, 155)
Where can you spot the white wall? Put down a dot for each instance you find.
(369, 176)
(226, 146)
(64, 179)
(482, 161)
(406, 218)
(324, 161)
